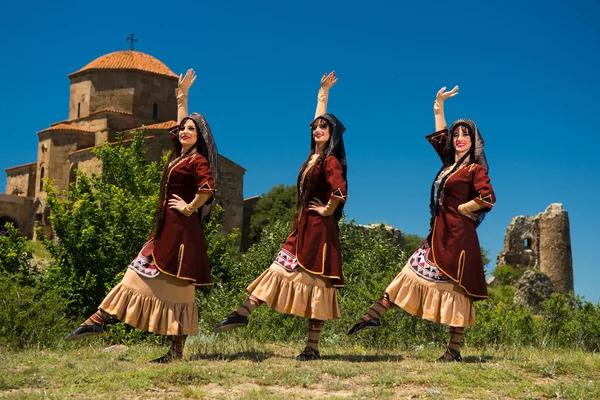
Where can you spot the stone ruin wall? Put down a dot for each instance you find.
(541, 242)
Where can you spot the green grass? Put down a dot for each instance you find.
(226, 368)
(39, 250)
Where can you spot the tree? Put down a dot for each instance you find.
(15, 258)
(102, 222)
(278, 204)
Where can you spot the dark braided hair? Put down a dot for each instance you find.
(435, 197)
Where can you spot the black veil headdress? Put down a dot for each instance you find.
(335, 148)
(205, 146)
(476, 154)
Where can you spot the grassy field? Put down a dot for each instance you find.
(229, 369)
(39, 250)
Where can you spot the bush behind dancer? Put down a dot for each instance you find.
(305, 274)
(157, 293)
(445, 274)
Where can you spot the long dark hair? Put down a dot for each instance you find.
(436, 197)
(203, 139)
(335, 147)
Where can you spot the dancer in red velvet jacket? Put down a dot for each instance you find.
(445, 274)
(305, 274)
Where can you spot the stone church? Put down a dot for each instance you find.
(117, 92)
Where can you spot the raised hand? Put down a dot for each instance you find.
(186, 81)
(328, 80)
(442, 95)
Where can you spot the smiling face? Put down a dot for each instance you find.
(320, 132)
(188, 134)
(461, 140)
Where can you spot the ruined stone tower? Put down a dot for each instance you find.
(541, 242)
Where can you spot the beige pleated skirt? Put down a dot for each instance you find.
(441, 302)
(297, 292)
(163, 305)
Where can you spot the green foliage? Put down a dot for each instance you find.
(412, 242)
(278, 204)
(102, 222)
(38, 250)
(507, 275)
(500, 323)
(568, 321)
(15, 255)
(29, 315)
(485, 256)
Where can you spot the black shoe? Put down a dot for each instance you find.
(232, 321)
(309, 355)
(83, 331)
(368, 324)
(449, 356)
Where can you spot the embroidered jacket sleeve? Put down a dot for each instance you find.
(204, 181)
(335, 178)
(438, 141)
(485, 193)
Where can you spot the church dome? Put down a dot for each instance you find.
(128, 60)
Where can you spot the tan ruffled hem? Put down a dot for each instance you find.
(144, 304)
(444, 303)
(298, 293)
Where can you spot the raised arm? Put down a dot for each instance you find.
(327, 81)
(182, 91)
(438, 106)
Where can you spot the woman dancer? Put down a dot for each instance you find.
(445, 274)
(157, 291)
(305, 274)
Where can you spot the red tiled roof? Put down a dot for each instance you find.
(162, 125)
(156, 127)
(128, 60)
(65, 127)
(112, 111)
(21, 166)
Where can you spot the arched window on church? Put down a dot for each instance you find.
(155, 111)
(41, 178)
(78, 110)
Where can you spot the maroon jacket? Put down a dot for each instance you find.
(181, 249)
(317, 237)
(454, 242)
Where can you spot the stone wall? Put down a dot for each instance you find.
(135, 92)
(556, 257)
(20, 181)
(249, 205)
(55, 158)
(541, 242)
(230, 193)
(521, 243)
(79, 97)
(17, 210)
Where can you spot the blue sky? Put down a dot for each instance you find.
(527, 73)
